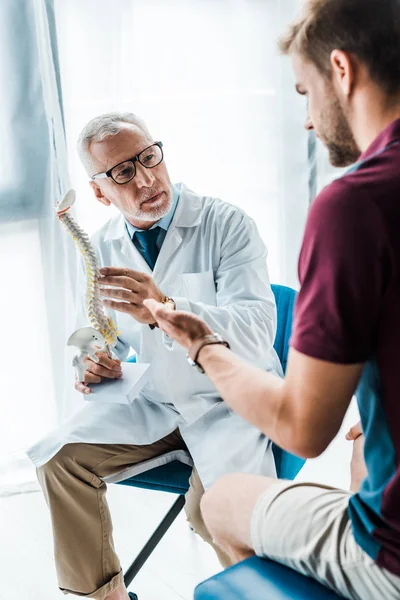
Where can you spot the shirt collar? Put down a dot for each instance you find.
(386, 137)
(163, 223)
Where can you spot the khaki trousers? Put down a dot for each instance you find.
(306, 526)
(86, 561)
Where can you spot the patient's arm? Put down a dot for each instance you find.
(301, 413)
(338, 312)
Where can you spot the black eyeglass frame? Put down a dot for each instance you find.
(133, 160)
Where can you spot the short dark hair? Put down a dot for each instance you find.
(370, 29)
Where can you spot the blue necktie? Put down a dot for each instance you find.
(147, 241)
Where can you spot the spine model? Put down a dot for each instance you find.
(94, 307)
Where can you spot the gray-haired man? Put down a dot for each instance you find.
(202, 256)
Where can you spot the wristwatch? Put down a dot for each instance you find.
(206, 340)
(168, 303)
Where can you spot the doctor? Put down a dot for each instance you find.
(195, 254)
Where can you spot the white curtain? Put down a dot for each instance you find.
(207, 78)
(36, 262)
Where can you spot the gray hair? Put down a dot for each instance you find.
(102, 127)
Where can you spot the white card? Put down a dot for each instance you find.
(124, 390)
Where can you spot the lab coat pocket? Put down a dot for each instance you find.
(199, 287)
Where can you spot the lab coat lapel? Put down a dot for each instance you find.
(172, 241)
(187, 214)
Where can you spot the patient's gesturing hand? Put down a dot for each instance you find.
(183, 327)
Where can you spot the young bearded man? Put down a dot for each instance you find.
(346, 336)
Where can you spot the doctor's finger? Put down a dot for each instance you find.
(122, 282)
(114, 364)
(82, 388)
(90, 377)
(96, 370)
(117, 294)
(125, 307)
(121, 272)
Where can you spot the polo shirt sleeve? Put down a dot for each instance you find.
(343, 269)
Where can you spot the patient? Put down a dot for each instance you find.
(346, 59)
(193, 253)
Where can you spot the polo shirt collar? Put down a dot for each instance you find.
(385, 138)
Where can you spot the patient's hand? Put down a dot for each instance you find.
(183, 327)
(106, 368)
(358, 467)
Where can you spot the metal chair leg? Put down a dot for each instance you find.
(154, 540)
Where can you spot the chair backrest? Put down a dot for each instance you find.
(287, 465)
(285, 299)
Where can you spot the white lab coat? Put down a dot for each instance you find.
(213, 263)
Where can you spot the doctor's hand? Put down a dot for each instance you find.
(106, 368)
(358, 468)
(128, 291)
(183, 327)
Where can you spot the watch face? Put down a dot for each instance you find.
(170, 304)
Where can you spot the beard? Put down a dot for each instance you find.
(337, 136)
(159, 211)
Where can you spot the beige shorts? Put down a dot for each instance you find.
(306, 527)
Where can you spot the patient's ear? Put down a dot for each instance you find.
(99, 194)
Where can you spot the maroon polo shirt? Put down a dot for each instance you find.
(348, 312)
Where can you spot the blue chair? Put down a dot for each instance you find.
(259, 579)
(287, 465)
(174, 476)
(256, 578)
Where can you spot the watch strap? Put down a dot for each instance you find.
(206, 340)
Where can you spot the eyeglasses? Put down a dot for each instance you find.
(125, 171)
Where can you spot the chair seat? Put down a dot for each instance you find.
(258, 579)
(172, 477)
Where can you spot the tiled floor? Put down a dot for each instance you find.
(26, 564)
(181, 561)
